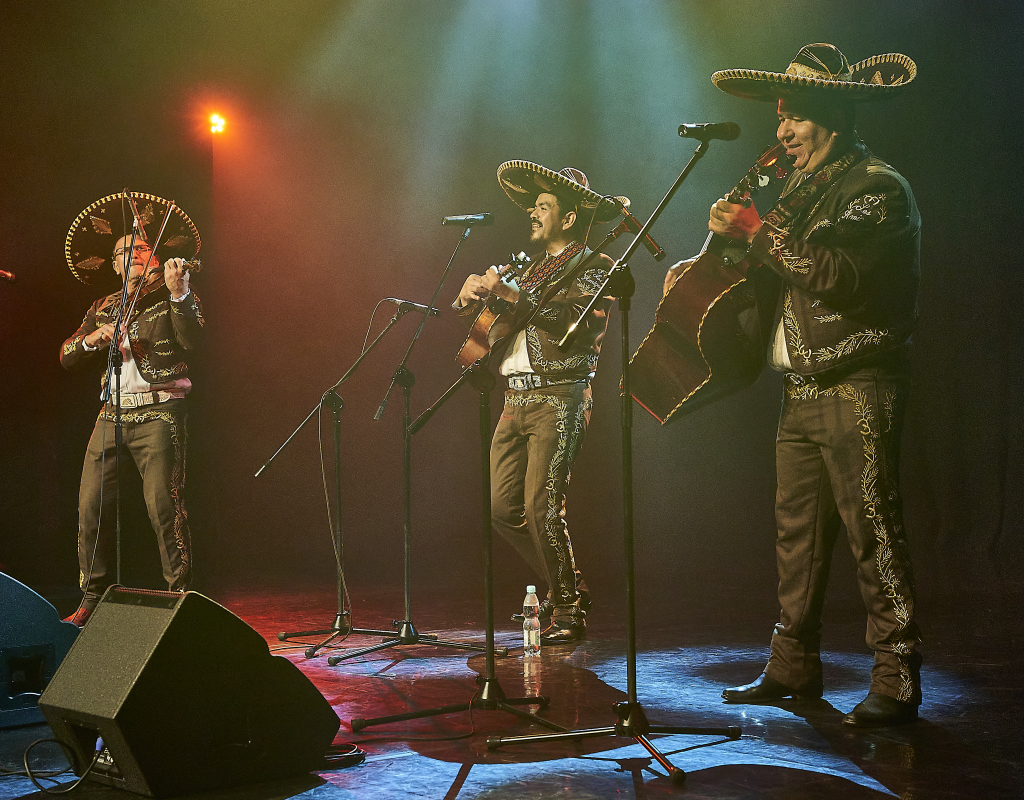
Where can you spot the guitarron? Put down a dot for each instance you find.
(704, 344)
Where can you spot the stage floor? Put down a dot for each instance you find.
(967, 743)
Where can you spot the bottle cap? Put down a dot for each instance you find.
(531, 589)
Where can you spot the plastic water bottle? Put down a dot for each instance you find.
(531, 677)
(531, 623)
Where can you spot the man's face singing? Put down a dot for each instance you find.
(808, 143)
(547, 220)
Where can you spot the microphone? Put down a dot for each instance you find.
(633, 226)
(407, 305)
(6, 276)
(726, 131)
(469, 219)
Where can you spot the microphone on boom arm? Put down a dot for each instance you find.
(726, 131)
(469, 219)
(408, 305)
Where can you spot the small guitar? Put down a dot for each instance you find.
(704, 343)
(492, 322)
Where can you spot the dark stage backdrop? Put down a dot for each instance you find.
(353, 127)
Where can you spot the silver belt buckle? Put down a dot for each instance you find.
(128, 400)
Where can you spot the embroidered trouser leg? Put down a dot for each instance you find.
(155, 440)
(838, 463)
(534, 445)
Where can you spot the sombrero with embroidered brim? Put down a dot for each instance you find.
(524, 180)
(89, 246)
(823, 71)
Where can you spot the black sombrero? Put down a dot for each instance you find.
(823, 71)
(524, 180)
(89, 246)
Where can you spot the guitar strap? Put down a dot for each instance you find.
(807, 193)
(549, 266)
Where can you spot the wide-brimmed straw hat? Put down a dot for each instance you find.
(524, 180)
(89, 247)
(821, 70)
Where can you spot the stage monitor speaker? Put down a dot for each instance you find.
(33, 642)
(179, 695)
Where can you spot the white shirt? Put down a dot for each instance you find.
(131, 379)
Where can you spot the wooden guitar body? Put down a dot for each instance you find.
(704, 344)
(492, 323)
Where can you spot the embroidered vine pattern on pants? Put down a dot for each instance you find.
(873, 507)
(569, 433)
(180, 440)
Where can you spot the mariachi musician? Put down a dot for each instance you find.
(161, 330)
(835, 267)
(548, 398)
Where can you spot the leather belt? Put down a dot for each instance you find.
(533, 381)
(138, 399)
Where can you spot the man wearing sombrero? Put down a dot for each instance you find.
(162, 328)
(836, 267)
(548, 399)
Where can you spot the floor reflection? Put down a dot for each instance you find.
(963, 746)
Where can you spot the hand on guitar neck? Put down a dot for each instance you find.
(734, 218)
(496, 288)
(492, 282)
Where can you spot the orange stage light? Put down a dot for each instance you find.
(217, 123)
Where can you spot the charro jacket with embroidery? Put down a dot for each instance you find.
(550, 323)
(849, 268)
(161, 334)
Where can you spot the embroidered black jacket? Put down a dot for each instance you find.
(849, 267)
(550, 323)
(161, 334)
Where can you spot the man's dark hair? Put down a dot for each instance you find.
(829, 112)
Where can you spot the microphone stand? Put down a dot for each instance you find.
(115, 360)
(491, 697)
(407, 633)
(331, 399)
(632, 722)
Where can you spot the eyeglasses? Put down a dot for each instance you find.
(122, 250)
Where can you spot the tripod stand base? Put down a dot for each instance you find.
(491, 698)
(407, 635)
(632, 724)
(340, 627)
